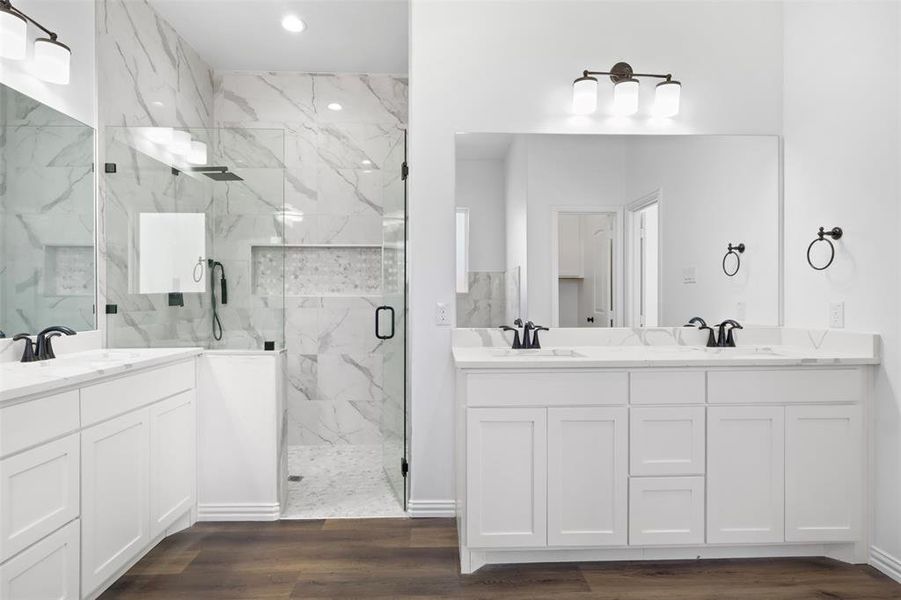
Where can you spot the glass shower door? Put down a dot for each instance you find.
(391, 319)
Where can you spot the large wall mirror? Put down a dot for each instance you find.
(47, 264)
(617, 231)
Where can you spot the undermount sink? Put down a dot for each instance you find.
(537, 353)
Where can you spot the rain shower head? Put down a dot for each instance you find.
(218, 173)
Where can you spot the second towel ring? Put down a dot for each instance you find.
(733, 251)
(836, 234)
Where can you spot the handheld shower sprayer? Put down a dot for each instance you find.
(223, 294)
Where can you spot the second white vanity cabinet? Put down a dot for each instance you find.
(570, 464)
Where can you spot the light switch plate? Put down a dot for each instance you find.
(837, 315)
(442, 314)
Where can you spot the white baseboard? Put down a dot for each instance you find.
(239, 512)
(886, 563)
(431, 508)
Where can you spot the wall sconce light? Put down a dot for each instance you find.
(52, 59)
(625, 92)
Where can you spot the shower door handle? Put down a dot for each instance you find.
(378, 328)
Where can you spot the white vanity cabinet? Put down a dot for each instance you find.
(93, 477)
(624, 464)
(115, 495)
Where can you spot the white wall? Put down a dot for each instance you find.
(516, 199)
(714, 190)
(73, 21)
(566, 171)
(841, 168)
(481, 187)
(507, 67)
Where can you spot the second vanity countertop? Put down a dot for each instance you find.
(18, 380)
(665, 347)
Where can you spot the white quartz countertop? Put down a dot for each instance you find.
(651, 356)
(18, 380)
(623, 347)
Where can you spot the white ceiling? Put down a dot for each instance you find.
(343, 36)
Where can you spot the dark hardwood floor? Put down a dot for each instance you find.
(400, 558)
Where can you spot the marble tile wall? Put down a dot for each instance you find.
(484, 305)
(46, 217)
(147, 76)
(342, 187)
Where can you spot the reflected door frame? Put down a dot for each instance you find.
(618, 257)
(632, 245)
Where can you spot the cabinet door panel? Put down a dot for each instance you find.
(506, 477)
(114, 496)
(745, 474)
(666, 510)
(587, 476)
(667, 441)
(823, 476)
(172, 461)
(48, 569)
(38, 493)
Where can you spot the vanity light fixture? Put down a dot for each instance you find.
(181, 143)
(52, 59)
(625, 92)
(197, 155)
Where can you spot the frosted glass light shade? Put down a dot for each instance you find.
(666, 99)
(197, 154)
(160, 135)
(13, 35)
(181, 143)
(51, 61)
(625, 97)
(585, 95)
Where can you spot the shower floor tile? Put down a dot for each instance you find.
(338, 482)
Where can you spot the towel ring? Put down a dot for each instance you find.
(835, 233)
(733, 251)
(198, 270)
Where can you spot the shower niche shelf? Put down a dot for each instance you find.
(318, 270)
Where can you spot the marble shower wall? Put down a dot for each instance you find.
(341, 184)
(484, 305)
(148, 76)
(46, 217)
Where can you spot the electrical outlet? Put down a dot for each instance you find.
(837, 315)
(442, 314)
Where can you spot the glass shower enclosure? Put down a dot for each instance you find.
(178, 203)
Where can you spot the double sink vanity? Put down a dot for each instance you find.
(97, 465)
(631, 444)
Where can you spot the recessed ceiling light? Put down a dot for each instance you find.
(366, 162)
(334, 106)
(157, 103)
(293, 23)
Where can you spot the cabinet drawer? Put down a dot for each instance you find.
(785, 386)
(666, 510)
(667, 387)
(38, 493)
(530, 388)
(119, 396)
(33, 422)
(667, 440)
(49, 569)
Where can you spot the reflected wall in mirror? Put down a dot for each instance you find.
(617, 231)
(47, 268)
